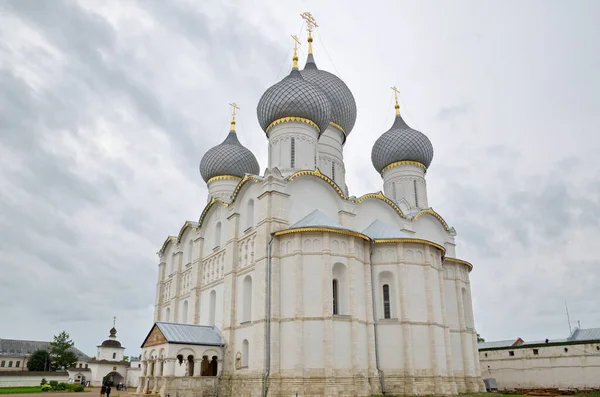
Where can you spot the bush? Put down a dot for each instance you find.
(44, 382)
(60, 386)
(53, 384)
(46, 387)
(77, 388)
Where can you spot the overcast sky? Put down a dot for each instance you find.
(106, 108)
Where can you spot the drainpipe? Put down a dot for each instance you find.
(381, 374)
(268, 319)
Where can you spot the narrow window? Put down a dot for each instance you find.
(247, 304)
(168, 315)
(245, 353)
(10, 364)
(212, 307)
(387, 312)
(335, 296)
(333, 170)
(218, 235)
(293, 153)
(18, 364)
(214, 366)
(81, 365)
(250, 214)
(511, 353)
(536, 352)
(394, 191)
(184, 315)
(416, 196)
(114, 357)
(87, 365)
(3, 363)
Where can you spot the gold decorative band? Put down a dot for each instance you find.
(403, 162)
(339, 127)
(289, 119)
(456, 260)
(223, 177)
(321, 229)
(410, 240)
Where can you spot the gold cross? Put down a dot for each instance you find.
(296, 41)
(397, 106)
(114, 321)
(234, 107)
(295, 57)
(311, 23)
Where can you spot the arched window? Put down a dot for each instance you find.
(339, 289)
(218, 235)
(190, 251)
(245, 353)
(214, 366)
(387, 310)
(387, 301)
(114, 357)
(293, 153)
(250, 214)
(190, 366)
(184, 312)
(168, 314)
(212, 308)
(247, 296)
(205, 366)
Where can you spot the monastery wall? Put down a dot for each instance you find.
(560, 365)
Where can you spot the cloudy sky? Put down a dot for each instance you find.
(106, 108)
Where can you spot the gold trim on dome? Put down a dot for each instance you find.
(403, 162)
(431, 212)
(411, 240)
(290, 119)
(321, 229)
(336, 125)
(223, 177)
(460, 261)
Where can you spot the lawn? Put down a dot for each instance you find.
(17, 390)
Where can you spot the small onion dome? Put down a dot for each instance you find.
(228, 158)
(113, 331)
(401, 143)
(111, 343)
(295, 99)
(343, 105)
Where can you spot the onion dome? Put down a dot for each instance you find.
(294, 99)
(343, 105)
(401, 143)
(112, 339)
(228, 158)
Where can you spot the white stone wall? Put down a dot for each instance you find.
(562, 366)
(406, 182)
(110, 353)
(25, 378)
(305, 138)
(222, 188)
(331, 156)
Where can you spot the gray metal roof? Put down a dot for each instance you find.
(317, 219)
(190, 334)
(584, 334)
(228, 158)
(401, 143)
(343, 105)
(294, 97)
(381, 230)
(499, 343)
(17, 347)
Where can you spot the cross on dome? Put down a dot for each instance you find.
(311, 23)
(234, 107)
(397, 105)
(295, 57)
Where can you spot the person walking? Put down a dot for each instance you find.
(103, 390)
(107, 390)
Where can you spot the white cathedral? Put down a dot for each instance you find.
(289, 286)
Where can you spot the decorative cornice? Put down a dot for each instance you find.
(183, 229)
(292, 119)
(223, 177)
(212, 202)
(319, 174)
(321, 229)
(411, 240)
(169, 240)
(460, 261)
(242, 183)
(403, 162)
(431, 212)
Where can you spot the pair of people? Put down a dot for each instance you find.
(105, 390)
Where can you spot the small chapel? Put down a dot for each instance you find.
(290, 285)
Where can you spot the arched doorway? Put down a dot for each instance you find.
(113, 378)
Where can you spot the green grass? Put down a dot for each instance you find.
(18, 390)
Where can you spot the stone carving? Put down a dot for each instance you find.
(238, 360)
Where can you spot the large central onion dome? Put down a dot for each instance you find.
(294, 99)
(401, 143)
(228, 158)
(343, 105)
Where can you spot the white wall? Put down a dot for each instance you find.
(577, 367)
(31, 378)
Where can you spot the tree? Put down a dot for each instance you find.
(480, 339)
(39, 361)
(125, 358)
(62, 355)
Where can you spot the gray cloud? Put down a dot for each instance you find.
(106, 111)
